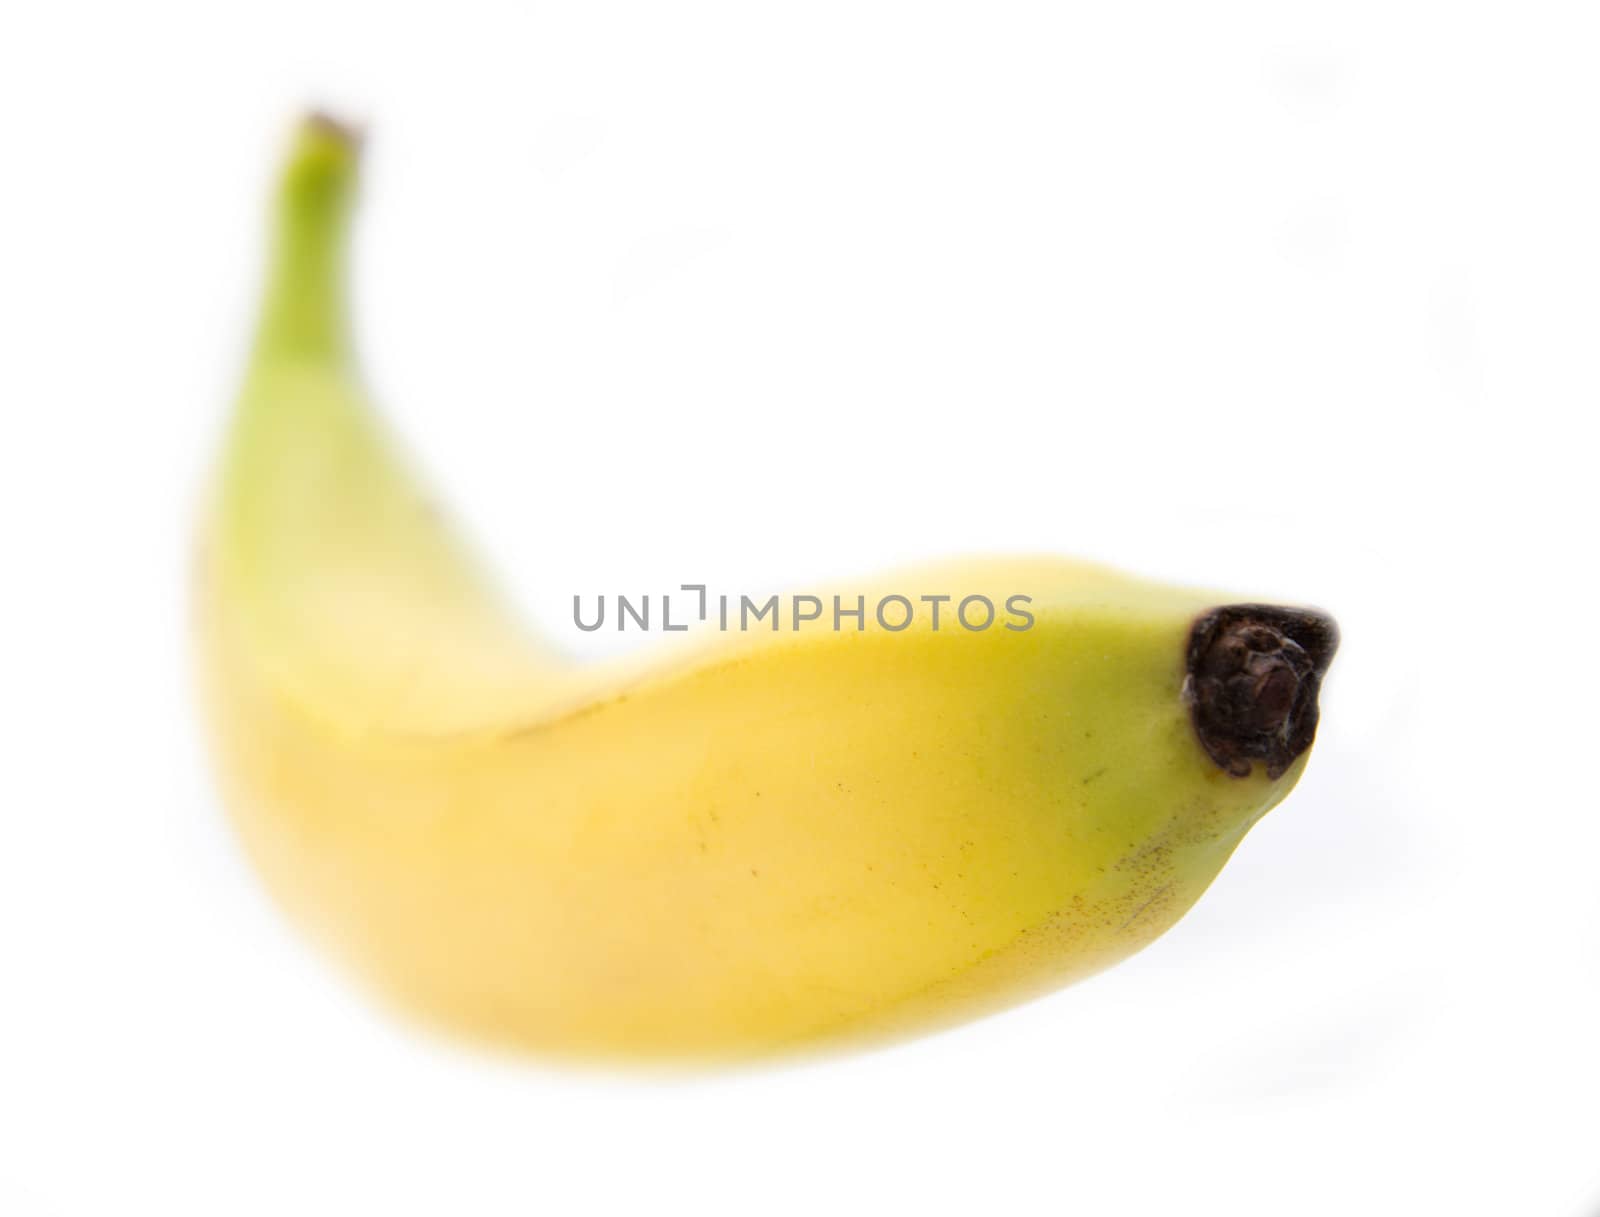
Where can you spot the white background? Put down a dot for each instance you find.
(1297, 300)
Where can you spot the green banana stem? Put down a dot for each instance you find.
(303, 313)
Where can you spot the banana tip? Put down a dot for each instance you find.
(1253, 675)
(322, 124)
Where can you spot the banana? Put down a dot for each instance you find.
(755, 844)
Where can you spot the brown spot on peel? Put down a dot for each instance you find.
(1253, 673)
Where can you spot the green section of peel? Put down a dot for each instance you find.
(343, 571)
(304, 314)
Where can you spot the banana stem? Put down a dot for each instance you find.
(303, 312)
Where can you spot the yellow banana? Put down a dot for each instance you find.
(774, 839)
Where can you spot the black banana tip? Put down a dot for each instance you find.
(1253, 674)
